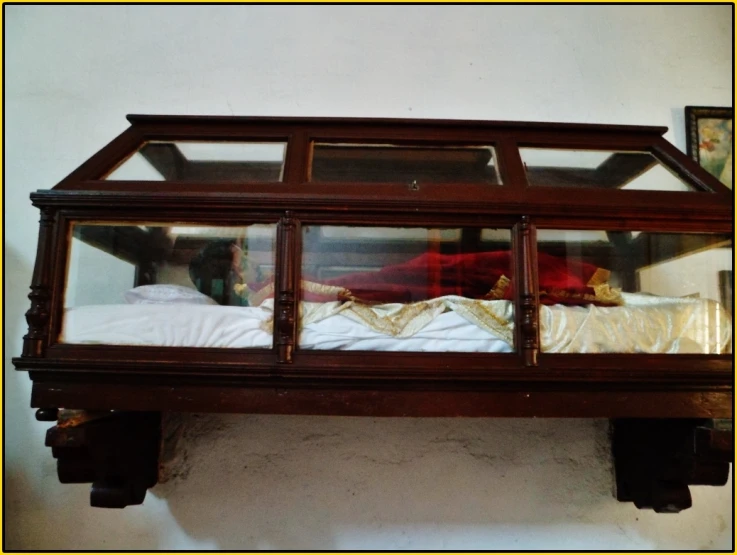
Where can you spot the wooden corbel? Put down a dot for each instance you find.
(656, 460)
(118, 452)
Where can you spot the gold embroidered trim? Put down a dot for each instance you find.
(607, 294)
(392, 324)
(408, 319)
(500, 288)
(482, 314)
(257, 297)
(600, 277)
(322, 289)
(603, 293)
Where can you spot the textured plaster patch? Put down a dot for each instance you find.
(323, 482)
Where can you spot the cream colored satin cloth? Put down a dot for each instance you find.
(645, 324)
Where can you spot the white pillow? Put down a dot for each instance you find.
(166, 294)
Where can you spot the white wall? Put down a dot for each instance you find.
(95, 277)
(72, 73)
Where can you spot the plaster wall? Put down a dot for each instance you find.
(73, 72)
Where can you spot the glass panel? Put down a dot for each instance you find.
(635, 292)
(376, 163)
(168, 285)
(217, 162)
(596, 169)
(406, 289)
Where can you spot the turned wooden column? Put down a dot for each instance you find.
(527, 331)
(287, 292)
(35, 341)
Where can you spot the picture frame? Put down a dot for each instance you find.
(709, 140)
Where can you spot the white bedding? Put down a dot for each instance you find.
(644, 324)
(243, 327)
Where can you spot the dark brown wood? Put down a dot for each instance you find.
(726, 289)
(36, 340)
(691, 172)
(510, 164)
(655, 461)
(47, 415)
(167, 159)
(296, 164)
(117, 452)
(246, 366)
(362, 202)
(528, 302)
(407, 122)
(456, 192)
(287, 292)
(389, 402)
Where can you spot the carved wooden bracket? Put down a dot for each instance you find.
(118, 452)
(656, 460)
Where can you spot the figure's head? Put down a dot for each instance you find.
(220, 259)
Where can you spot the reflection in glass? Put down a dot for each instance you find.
(406, 289)
(217, 162)
(596, 169)
(167, 285)
(633, 292)
(376, 163)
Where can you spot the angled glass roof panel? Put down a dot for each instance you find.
(404, 163)
(599, 169)
(215, 162)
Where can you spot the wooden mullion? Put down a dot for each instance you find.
(297, 158)
(511, 168)
(287, 291)
(527, 303)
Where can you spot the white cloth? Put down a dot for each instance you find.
(645, 324)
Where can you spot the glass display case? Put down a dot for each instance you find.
(383, 268)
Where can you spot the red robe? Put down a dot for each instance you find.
(483, 275)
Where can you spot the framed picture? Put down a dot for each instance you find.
(709, 140)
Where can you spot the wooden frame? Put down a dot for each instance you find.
(698, 146)
(288, 380)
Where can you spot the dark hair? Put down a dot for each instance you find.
(215, 262)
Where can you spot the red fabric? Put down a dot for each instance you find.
(472, 275)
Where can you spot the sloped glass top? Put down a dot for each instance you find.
(599, 169)
(216, 162)
(405, 163)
